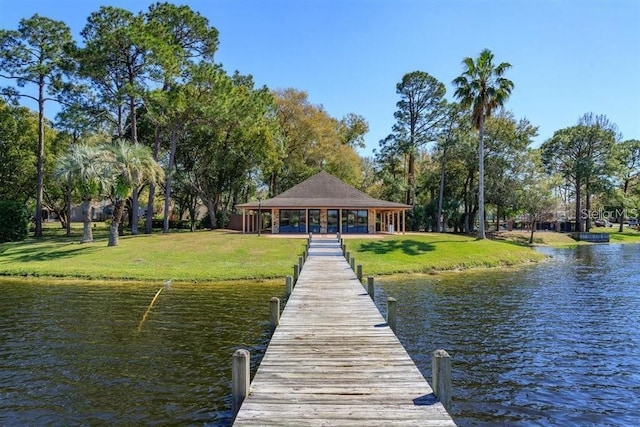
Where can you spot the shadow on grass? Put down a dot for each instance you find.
(518, 240)
(408, 246)
(46, 253)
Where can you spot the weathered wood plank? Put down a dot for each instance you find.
(333, 360)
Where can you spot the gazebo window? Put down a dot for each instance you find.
(355, 221)
(314, 220)
(293, 221)
(332, 220)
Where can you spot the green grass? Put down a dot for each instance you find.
(628, 235)
(425, 253)
(222, 255)
(202, 256)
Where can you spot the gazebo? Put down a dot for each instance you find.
(324, 204)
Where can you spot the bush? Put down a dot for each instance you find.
(222, 220)
(182, 224)
(14, 221)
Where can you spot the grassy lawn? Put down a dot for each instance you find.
(202, 256)
(423, 253)
(550, 238)
(540, 238)
(223, 255)
(628, 235)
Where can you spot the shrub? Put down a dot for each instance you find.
(14, 221)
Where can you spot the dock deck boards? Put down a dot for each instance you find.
(334, 361)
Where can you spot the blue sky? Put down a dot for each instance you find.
(568, 57)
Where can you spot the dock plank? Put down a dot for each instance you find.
(333, 360)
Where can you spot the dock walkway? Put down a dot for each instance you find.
(333, 361)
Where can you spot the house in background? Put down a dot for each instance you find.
(324, 204)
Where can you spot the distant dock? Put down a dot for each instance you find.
(334, 361)
(590, 237)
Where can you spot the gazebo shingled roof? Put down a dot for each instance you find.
(323, 190)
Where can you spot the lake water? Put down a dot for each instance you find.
(552, 344)
(77, 354)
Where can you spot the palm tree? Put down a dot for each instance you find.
(482, 87)
(81, 168)
(130, 165)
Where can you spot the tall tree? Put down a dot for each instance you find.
(506, 141)
(309, 140)
(36, 56)
(128, 166)
(581, 155)
(482, 87)
(18, 139)
(453, 125)
(82, 167)
(189, 39)
(420, 115)
(626, 158)
(535, 196)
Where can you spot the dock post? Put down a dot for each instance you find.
(347, 254)
(441, 369)
(371, 290)
(240, 378)
(288, 286)
(274, 313)
(352, 262)
(300, 263)
(296, 273)
(359, 274)
(391, 313)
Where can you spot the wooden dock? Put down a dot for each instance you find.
(333, 360)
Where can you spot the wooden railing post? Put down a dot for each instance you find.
(391, 313)
(240, 377)
(274, 313)
(352, 262)
(347, 255)
(371, 290)
(359, 272)
(288, 286)
(441, 370)
(300, 263)
(296, 273)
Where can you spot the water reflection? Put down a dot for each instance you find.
(554, 344)
(72, 354)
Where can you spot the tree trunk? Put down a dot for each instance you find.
(497, 218)
(115, 222)
(481, 233)
(439, 221)
(588, 206)
(40, 167)
(212, 214)
(148, 225)
(578, 205)
(411, 180)
(87, 235)
(533, 228)
(168, 179)
(135, 203)
(67, 197)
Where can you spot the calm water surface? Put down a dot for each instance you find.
(77, 355)
(554, 344)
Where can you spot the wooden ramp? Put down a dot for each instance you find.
(333, 361)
